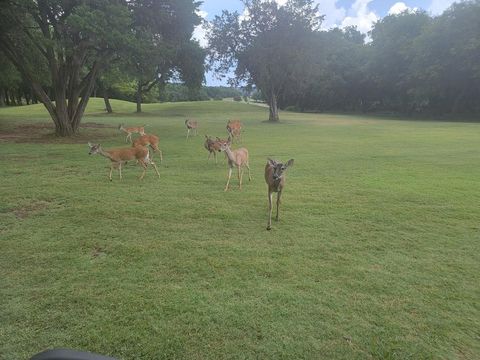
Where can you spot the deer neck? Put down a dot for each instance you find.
(106, 154)
(230, 154)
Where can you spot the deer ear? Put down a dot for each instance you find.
(218, 138)
(289, 163)
(271, 162)
(89, 145)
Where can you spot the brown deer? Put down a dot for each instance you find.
(119, 157)
(191, 125)
(237, 158)
(132, 130)
(212, 146)
(146, 140)
(275, 179)
(234, 129)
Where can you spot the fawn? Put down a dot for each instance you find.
(212, 146)
(151, 140)
(234, 129)
(132, 130)
(275, 179)
(191, 125)
(237, 158)
(119, 157)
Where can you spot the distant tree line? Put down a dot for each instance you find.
(411, 62)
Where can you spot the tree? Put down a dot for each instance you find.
(446, 63)
(163, 47)
(69, 40)
(392, 55)
(266, 46)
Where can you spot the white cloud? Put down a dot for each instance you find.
(360, 16)
(200, 32)
(398, 8)
(439, 6)
(333, 15)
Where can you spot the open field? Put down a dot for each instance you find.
(376, 254)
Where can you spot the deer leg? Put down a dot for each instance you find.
(249, 177)
(188, 132)
(120, 170)
(278, 203)
(111, 170)
(209, 154)
(144, 166)
(229, 176)
(269, 224)
(239, 177)
(215, 156)
(155, 167)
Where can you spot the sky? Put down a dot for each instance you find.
(338, 13)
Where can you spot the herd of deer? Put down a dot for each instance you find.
(238, 158)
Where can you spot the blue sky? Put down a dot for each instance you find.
(338, 13)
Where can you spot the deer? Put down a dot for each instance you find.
(236, 158)
(132, 130)
(119, 157)
(191, 125)
(275, 178)
(212, 146)
(234, 129)
(149, 140)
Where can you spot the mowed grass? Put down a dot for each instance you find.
(376, 254)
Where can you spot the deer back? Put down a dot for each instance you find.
(240, 156)
(145, 140)
(125, 154)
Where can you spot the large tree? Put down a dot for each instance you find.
(74, 40)
(266, 45)
(71, 41)
(163, 45)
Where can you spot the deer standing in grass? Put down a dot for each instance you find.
(132, 130)
(212, 146)
(234, 129)
(119, 157)
(275, 179)
(192, 125)
(149, 140)
(237, 158)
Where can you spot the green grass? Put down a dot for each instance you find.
(376, 254)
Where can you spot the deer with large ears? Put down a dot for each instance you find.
(275, 179)
(212, 146)
(236, 158)
(119, 157)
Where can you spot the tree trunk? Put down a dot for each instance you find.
(106, 99)
(7, 100)
(2, 98)
(12, 98)
(139, 98)
(273, 107)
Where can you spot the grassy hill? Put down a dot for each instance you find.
(376, 254)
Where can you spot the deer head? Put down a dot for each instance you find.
(279, 168)
(94, 148)
(224, 145)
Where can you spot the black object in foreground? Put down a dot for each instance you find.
(67, 354)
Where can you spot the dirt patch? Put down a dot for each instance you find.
(44, 133)
(23, 212)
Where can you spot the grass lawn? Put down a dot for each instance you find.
(376, 254)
